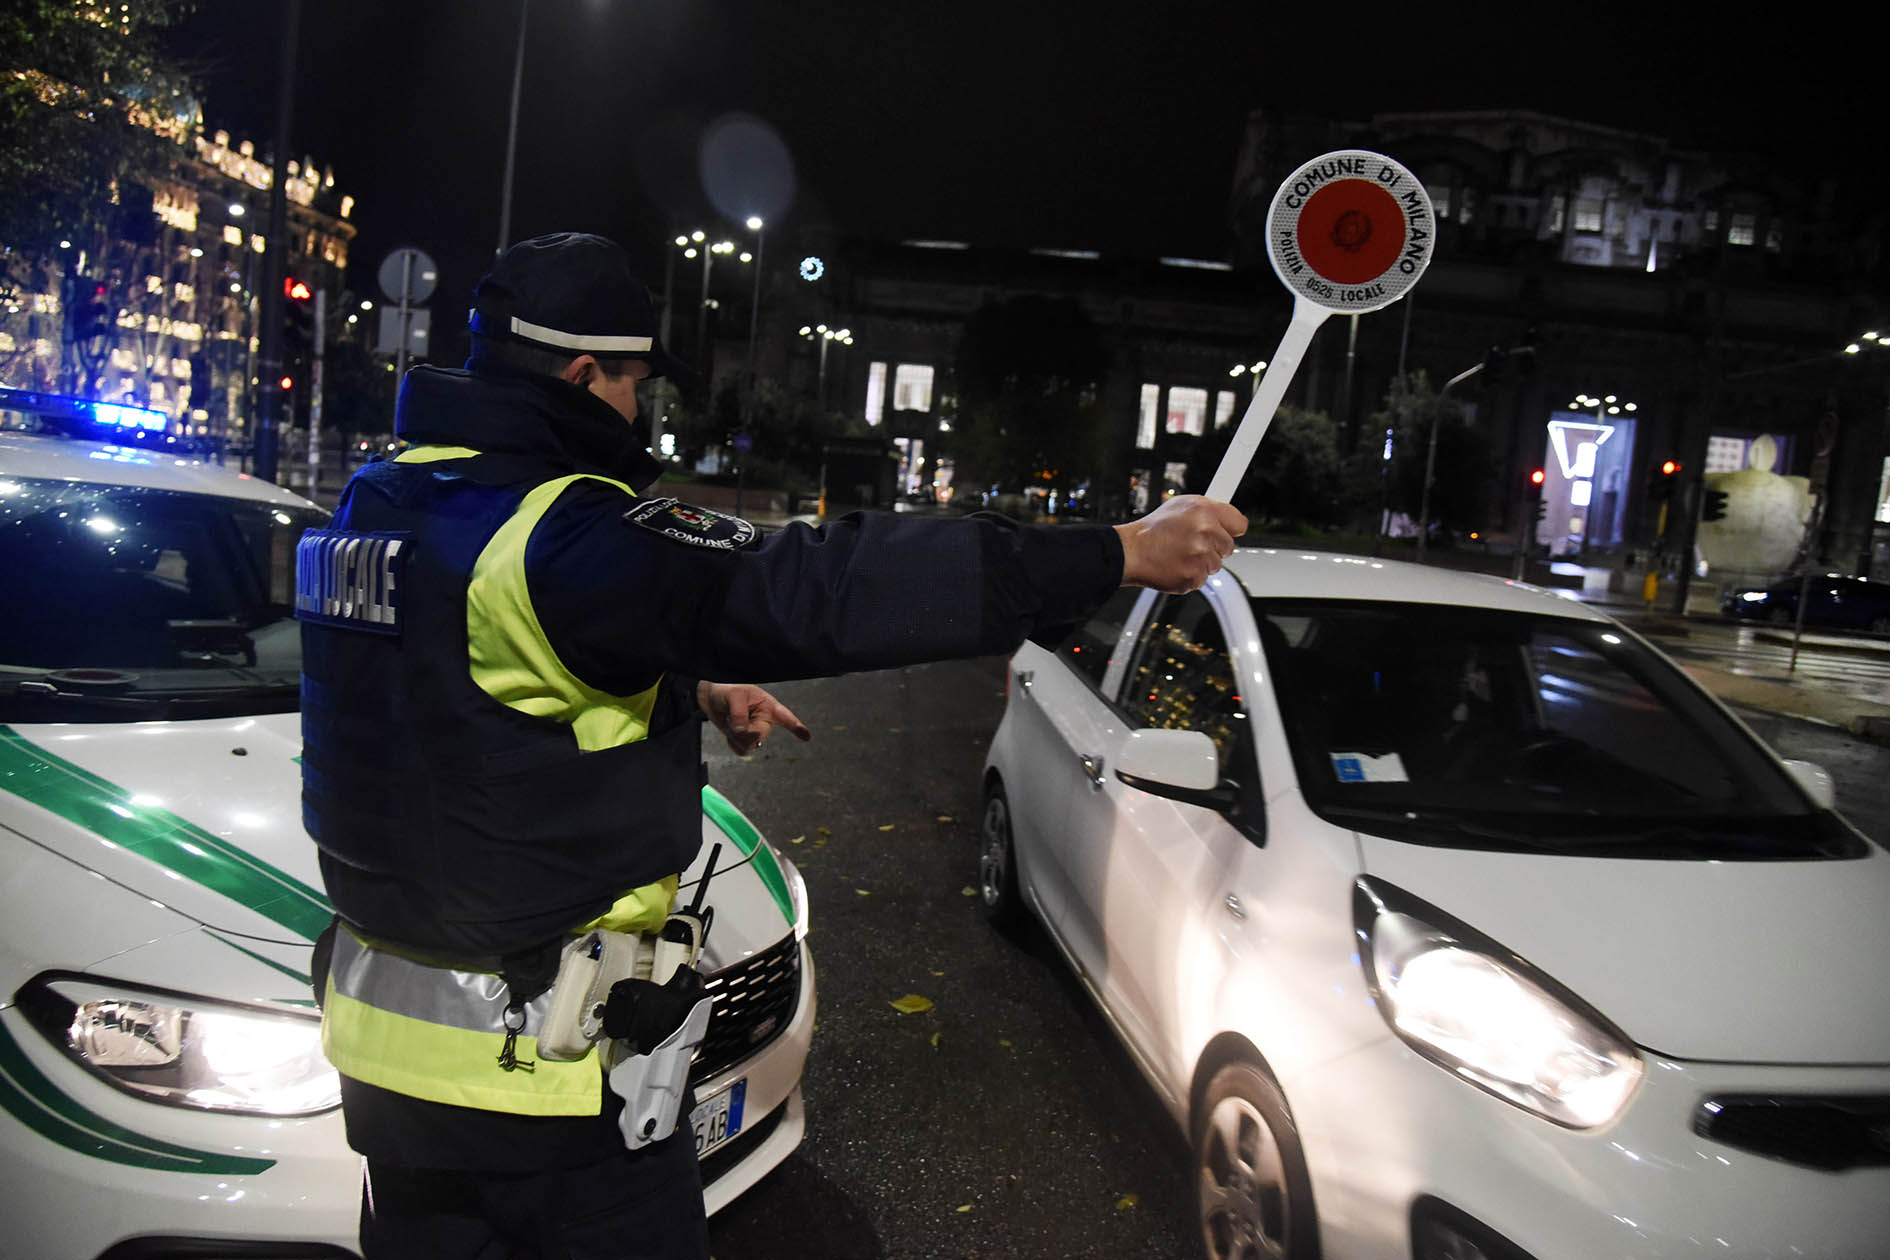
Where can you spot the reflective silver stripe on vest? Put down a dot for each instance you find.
(473, 1000)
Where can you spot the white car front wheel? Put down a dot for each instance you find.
(997, 862)
(1251, 1189)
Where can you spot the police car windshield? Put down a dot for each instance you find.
(134, 594)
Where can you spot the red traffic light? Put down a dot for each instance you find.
(1669, 468)
(287, 383)
(296, 290)
(1535, 477)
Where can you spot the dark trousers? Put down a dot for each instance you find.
(602, 1211)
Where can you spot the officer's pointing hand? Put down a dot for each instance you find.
(745, 713)
(1179, 545)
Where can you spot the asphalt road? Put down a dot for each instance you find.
(1004, 1121)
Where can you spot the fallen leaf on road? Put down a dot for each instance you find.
(964, 1207)
(944, 817)
(1126, 1202)
(912, 1004)
(863, 892)
(797, 840)
(935, 1037)
(887, 827)
(968, 891)
(938, 973)
(822, 831)
(1004, 1042)
(839, 728)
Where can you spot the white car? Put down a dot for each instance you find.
(1452, 922)
(162, 1088)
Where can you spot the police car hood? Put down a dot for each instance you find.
(204, 819)
(500, 412)
(1726, 961)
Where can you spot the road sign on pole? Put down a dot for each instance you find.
(407, 278)
(1348, 231)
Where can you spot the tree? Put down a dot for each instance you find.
(1027, 374)
(91, 104)
(1463, 493)
(1295, 473)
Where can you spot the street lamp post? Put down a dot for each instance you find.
(756, 226)
(825, 336)
(701, 242)
(511, 134)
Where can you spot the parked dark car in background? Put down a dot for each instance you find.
(1831, 599)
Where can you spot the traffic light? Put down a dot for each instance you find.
(1535, 491)
(1713, 506)
(92, 317)
(298, 329)
(1660, 487)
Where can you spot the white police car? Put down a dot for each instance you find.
(162, 1087)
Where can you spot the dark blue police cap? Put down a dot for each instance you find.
(572, 293)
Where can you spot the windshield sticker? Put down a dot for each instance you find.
(696, 526)
(350, 581)
(1353, 767)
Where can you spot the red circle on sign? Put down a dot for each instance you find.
(1351, 231)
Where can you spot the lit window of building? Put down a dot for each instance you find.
(1145, 424)
(1725, 454)
(912, 387)
(875, 393)
(1187, 410)
(1743, 230)
(1223, 407)
(232, 235)
(1587, 214)
(1558, 208)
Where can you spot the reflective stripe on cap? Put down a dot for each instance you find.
(579, 341)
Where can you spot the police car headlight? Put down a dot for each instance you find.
(1487, 1016)
(797, 894)
(188, 1051)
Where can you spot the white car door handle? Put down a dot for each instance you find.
(1093, 767)
(1234, 907)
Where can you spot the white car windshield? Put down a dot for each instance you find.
(126, 603)
(1481, 728)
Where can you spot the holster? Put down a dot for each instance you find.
(651, 1084)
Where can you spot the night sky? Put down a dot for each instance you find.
(1081, 125)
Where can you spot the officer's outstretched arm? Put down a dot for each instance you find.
(745, 713)
(1180, 544)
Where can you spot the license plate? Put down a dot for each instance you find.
(718, 1119)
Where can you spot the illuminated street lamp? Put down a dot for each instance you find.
(825, 336)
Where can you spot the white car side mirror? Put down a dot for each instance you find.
(1155, 759)
(1816, 781)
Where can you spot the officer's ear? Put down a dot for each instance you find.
(581, 371)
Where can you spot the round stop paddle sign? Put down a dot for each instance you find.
(1350, 231)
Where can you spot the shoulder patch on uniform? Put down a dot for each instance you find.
(696, 526)
(351, 581)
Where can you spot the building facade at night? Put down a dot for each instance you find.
(159, 310)
(1716, 295)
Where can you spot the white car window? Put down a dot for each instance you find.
(1180, 678)
(1488, 729)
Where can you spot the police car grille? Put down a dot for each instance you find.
(754, 1002)
(1832, 1132)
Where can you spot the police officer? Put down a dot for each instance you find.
(507, 644)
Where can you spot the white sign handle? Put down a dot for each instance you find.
(1266, 399)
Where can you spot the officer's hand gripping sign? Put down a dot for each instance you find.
(1349, 231)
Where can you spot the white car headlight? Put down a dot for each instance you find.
(1466, 1003)
(187, 1051)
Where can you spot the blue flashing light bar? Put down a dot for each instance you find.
(82, 416)
(130, 417)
